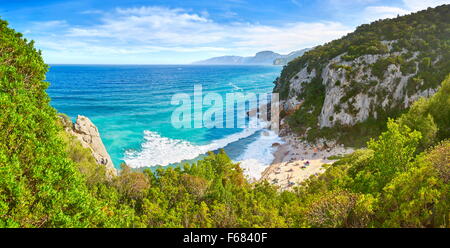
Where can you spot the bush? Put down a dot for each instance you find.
(39, 185)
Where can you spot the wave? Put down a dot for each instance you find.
(162, 151)
(259, 154)
(235, 87)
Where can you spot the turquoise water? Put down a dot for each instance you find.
(131, 106)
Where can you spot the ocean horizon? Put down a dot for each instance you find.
(131, 106)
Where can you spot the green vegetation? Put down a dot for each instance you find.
(426, 32)
(39, 185)
(381, 66)
(352, 136)
(431, 116)
(418, 44)
(307, 115)
(47, 179)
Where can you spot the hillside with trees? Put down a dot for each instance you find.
(348, 88)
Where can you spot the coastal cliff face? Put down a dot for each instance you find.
(353, 92)
(88, 135)
(372, 74)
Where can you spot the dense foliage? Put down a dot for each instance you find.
(425, 31)
(47, 179)
(400, 180)
(39, 185)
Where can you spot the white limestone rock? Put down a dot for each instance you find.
(388, 92)
(89, 136)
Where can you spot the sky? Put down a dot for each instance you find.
(184, 31)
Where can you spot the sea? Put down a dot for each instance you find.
(132, 107)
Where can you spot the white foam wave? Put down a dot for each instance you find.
(157, 150)
(259, 154)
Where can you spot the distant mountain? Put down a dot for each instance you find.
(224, 60)
(261, 58)
(288, 58)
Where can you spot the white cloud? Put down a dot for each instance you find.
(416, 5)
(296, 3)
(91, 12)
(152, 25)
(353, 2)
(135, 34)
(290, 36)
(50, 24)
(372, 13)
(144, 30)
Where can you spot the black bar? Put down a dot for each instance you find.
(232, 238)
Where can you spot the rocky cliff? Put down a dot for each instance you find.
(88, 135)
(350, 99)
(260, 58)
(374, 73)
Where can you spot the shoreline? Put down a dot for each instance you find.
(296, 160)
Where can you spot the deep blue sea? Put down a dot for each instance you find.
(131, 106)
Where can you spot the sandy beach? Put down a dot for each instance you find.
(296, 160)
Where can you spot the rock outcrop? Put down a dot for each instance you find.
(353, 99)
(367, 75)
(89, 137)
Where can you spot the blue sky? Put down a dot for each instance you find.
(183, 31)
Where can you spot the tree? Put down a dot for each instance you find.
(420, 196)
(39, 185)
(392, 152)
